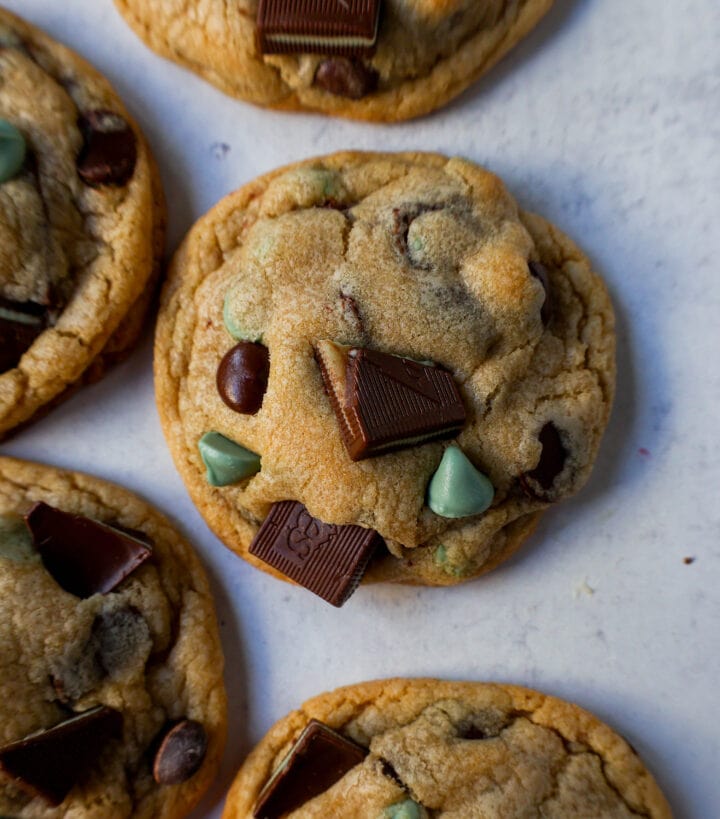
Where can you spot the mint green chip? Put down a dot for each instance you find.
(12, 150)
(457, 489)
(226, 461)
(404, 810)
(232, 324)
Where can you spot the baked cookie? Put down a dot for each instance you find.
(112, 701)
(385, 363)
(363, 59)
(81, 224)
(415, 749)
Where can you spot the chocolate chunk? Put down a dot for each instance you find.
(539, 271)
(345, 77)
(109, 151)
(385, 402)
(84, 556)
(242, 377)
(319, 758)
(328, 560)
(20, 324)
(51, 762)
(347, 27)
(539, 481)
(181, 753)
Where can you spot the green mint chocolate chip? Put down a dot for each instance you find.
(15, 540)
(457, 489)
(12, 150)
(233, 325)
(226, 461)
(404, 810)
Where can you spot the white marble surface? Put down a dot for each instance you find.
(606, 121)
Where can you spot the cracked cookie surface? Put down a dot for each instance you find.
(148, 649)
(415, 255)
(81, 225)
(428, 51)
(461, 751)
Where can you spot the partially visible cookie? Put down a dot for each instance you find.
(112, 702)
(363, 59)
(82, 222)
(426, 749)
(376, 363)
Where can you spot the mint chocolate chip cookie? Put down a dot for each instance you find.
(365, 59)
(377, 365)
(112, 701)
(81, 224)
(426, 749)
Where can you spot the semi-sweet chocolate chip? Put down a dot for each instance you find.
(539, 481)
(181, 753)
(109, 151)
(242, 377)
(346, 77)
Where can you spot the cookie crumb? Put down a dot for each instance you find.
(583, 588)
(689, 560)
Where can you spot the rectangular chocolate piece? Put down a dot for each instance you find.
(384, 402)
(328, 560)
(319, 758)
(345, 27)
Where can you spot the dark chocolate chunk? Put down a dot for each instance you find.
(109, 151)
(20, 324)
(539, 481)
(347, 27)
(319, 758)
(385, 402)
(49, 763)
(328, 560)
(346, 77)
(242, 377)
(181, 753)
(84, 556)
(539, 271)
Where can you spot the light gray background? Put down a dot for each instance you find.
(605, 120)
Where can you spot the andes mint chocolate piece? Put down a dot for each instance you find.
(345, 77)
(20, 325)
(84, 556)
(385, 402)
(539, 271)
(49, 763)
(348, 27)
(550, 465)
(181, 753)
(242, 377)
(109, 151)
(319, 758)
(328, 560)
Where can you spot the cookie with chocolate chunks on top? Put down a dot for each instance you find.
(114, 696)
(362, 59)
(74, 290)
(402, 303)
(421, 748)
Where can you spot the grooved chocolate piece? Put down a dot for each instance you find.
(328, 560)
(539, 271)
(20, 324)
(346, 77)
(181, 753)
(51, 762)
(319, 758)
(539, 481)
(385, 402)
(109, 151)
(347, 27)
(84, 556)
(242, 377)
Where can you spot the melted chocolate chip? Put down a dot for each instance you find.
(181, 753)
(346, 77)
(242, 377)
(539, 271)
(551, 464)
(109, 151)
